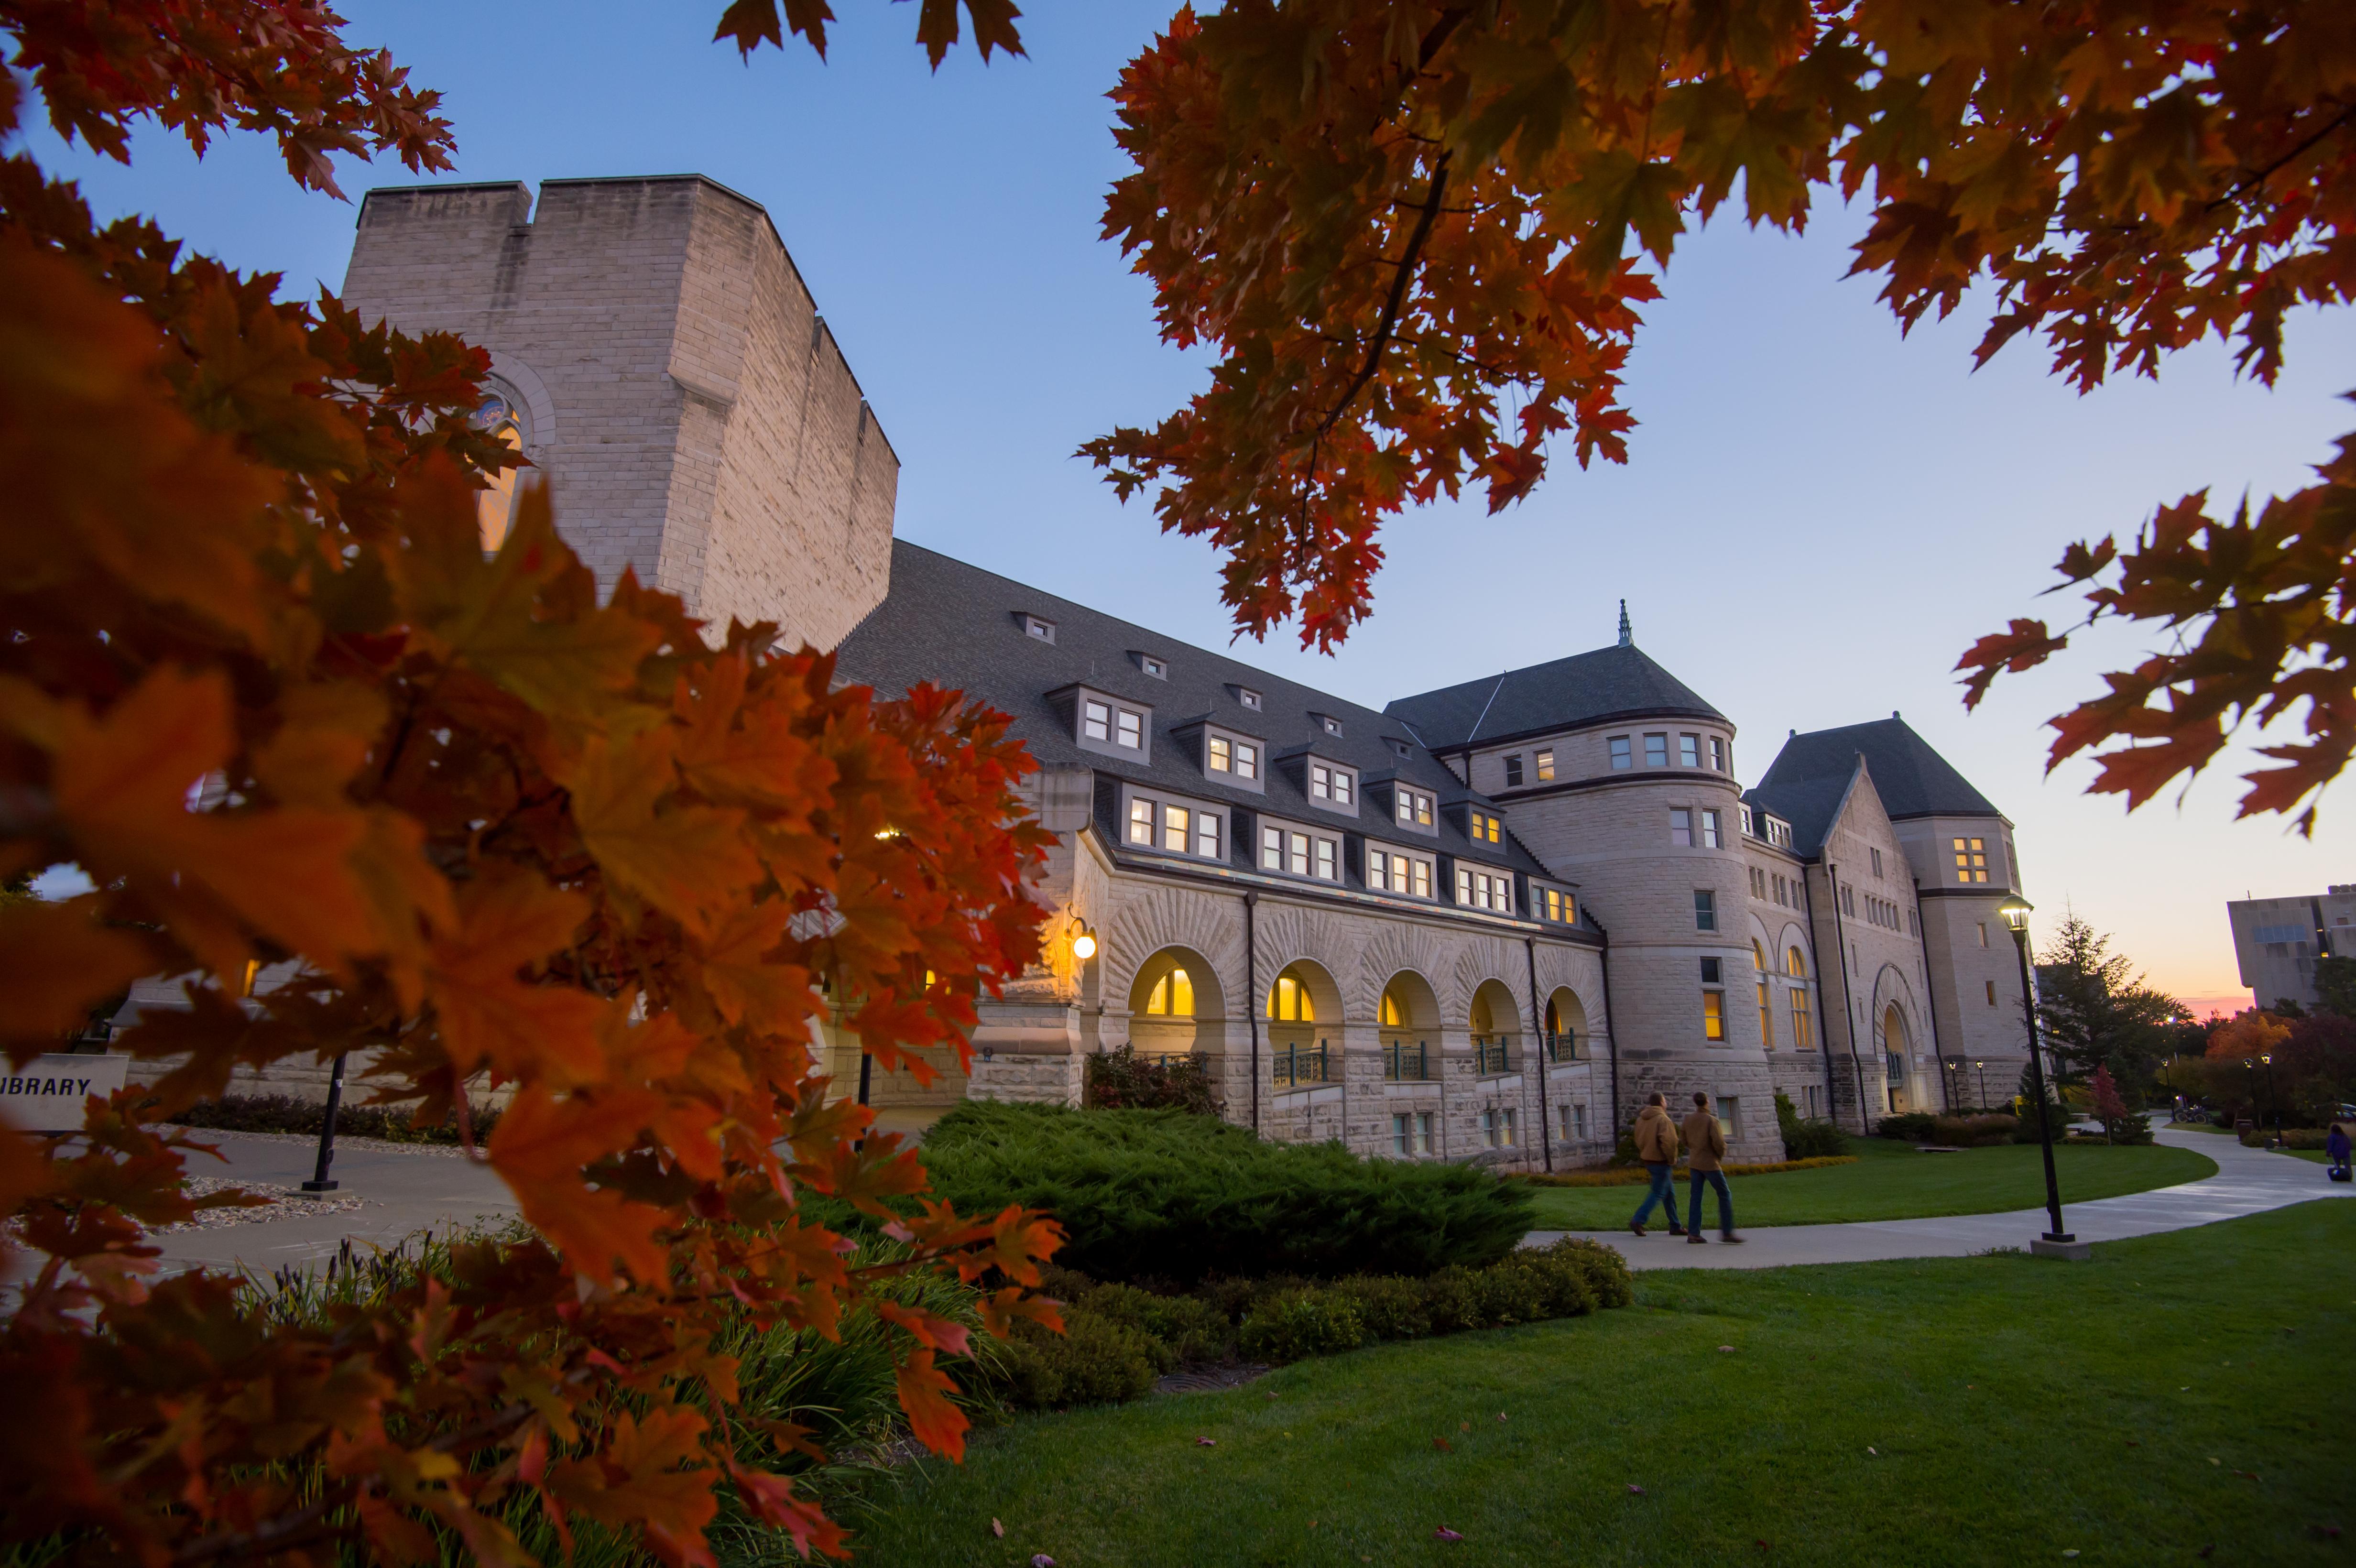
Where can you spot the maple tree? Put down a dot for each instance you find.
(1406, 226)
(265, 686)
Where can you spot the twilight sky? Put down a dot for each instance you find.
(1818, 515)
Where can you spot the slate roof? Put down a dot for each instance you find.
(959, 627)
(1618, 682)
(1809, 776)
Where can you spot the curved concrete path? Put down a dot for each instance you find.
(2248, 1181)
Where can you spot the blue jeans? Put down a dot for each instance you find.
(1725, 1199)
(1663, 1193)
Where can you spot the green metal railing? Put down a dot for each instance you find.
(1296, 1064)
(1489, 1058)
(1406, 1063)
(1564, 1047)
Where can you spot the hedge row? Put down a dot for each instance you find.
(1119, 1339)
(1624, 1178)
(1173, 1198)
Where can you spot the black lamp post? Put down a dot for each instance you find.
(1981, 1069)
(2250, 1063)
(2016, 911)
(2272, 1100)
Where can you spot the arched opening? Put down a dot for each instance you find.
(1304, 1019)
(1566, 1026)
(1410, 1028)
(1795, 965)
(1174, 1005)
(500, 417)
(1795, 962)
(1496, 1023)
(1894, 1047)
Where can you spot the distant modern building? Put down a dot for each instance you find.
(2275, 940)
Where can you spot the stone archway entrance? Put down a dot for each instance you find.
(1896, 1051)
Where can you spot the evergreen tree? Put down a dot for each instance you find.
(2095, 1012)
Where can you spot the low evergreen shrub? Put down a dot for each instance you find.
(1975, 1132)
(1513, 1292)
(1094, 1361)
(1914, 1126)
(1167, 1195)
(1294, 1324)
(1390, 1307)
(1804, 1139)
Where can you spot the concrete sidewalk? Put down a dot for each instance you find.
(2248, 1181)
(403, 1190)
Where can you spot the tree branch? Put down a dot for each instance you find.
(1399, 292)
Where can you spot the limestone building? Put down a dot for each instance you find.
(1482, 923)
(2277, 941)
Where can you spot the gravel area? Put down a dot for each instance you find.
(285, 1203)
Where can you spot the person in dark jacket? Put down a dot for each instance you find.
(1656, 1146)
(1705, 1146)
(2335, 1150)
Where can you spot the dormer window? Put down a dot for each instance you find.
(1400, 748)
(1232, 755)
(1246, 696)
(1336, 786)
(1484, 828)
(1158, 668)
(1112, 723)
(1412, 806)
(1327, 722)
(1038, 630)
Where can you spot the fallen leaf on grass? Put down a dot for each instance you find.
(2215, 1460)
(2247, 1475)
(1043, 1561)
(1875, 1452)
(1206, 1442)
(1636, 1488)
(997, 1529)
(1444, 1533)
(2070, 1552)
(1725, 1349)
(1501, 1415)
(1762, 1546)
(2135, 1442)
(1463, 1427)
(1443, 1445)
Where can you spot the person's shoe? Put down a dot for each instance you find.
(1731, 1236)
(1676, 1230)
(1636, 1227)
(1698, 1240)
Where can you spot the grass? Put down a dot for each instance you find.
(2177, 1393)
(1896, 1181)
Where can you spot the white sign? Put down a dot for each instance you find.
(44, 1095)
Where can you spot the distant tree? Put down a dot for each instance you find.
(2335, 985)
(2104, 1098)
(2095, 1013)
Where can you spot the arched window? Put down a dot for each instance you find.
(1394, 1015)
(501, 418)
(1173, 997)
(1288, 1002)
(1795, 964)
(1758, 956)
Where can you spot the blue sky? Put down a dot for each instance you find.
(1818, 517)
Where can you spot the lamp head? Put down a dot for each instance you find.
(1083, 941)
(2268, 1060)
(2015, 910)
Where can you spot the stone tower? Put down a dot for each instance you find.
(657, 357)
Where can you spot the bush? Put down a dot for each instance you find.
(287, 1114)
(1532, 1286)
(1182, 1327)
(1123, 1079)
(1914, 1126)
(1391, 1308)
(1813, 1140)
(1975, 1132)
(1094, 1361)
(1165, 1195)
(1452, 1300)
(1293, 1323)
(1608, 1282)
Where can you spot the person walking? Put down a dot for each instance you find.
(1656, 1146)
(2335, 1150)
(1705, 1146)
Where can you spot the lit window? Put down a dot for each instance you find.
(1486, 828)
(1173, 828)
(1971, 861)
(1795, 964)
(1713, 1015)
(1272, 849)
(1207, 833)
(1300, 854)
(1422, 877)
(1681, 827)
(1222, 755)
(1800, 1041)
(1513, 769)
(1620, 753)
(1131, 731)
(1095, 720)
(1656, 751)
(1766, 1018)
(1704, 910)
(1140, 821)
(1174, 996)
(1291, 1003)
(1712, 834)
(1717, 754)
(1546, 767)
(1690, 750)
(1326, 867)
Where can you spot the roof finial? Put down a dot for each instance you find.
(1627, 637)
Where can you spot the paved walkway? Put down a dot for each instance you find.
(2248, 1181)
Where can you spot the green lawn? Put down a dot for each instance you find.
(2175, 1394)
(1893, 1180)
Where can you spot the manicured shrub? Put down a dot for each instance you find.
(1182, 1327)
(1123, 1079)
(1094, 1361)
(1914, 1126)
(1975, 1132)
(1608, 1279)
(1311, 1321)
(1162, 1194)
(1390, 1307)
(1452, 1300)
(1511, 1292)
(1813, 1140)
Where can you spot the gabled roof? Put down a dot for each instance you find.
(960, 628)
(1620, 682)
(1911, 779)
(1810, 805)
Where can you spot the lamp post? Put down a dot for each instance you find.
(1981, 1069)
(2251, 1063)
(2272, 1100)
(2056, 1242)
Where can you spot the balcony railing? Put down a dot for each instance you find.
(1488, 1056)
(1405, 1063)
(1564, 1047)
(1291, 1065)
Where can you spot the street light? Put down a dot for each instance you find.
(1981, 1068)
(2056, 1242)
(2271, 1099)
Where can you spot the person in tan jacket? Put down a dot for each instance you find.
(1705, 1146)
(1656, 1146)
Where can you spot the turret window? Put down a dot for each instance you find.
(1688, 750)
(1546, 767)
(1971, 861)
(1620, 756)
(1656, 751)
